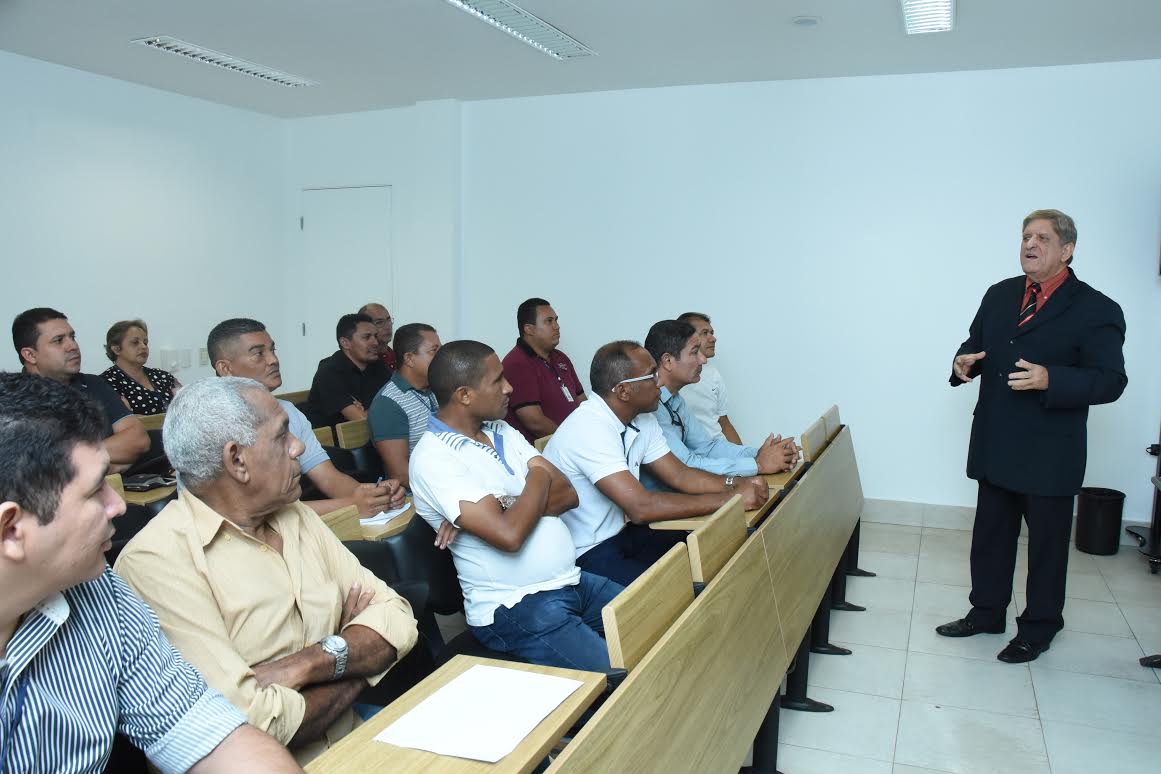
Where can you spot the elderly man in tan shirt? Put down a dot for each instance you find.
(250, 585)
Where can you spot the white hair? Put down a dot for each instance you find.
(202, 419)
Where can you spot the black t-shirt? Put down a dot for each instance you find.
(338, 383)
(98, 390)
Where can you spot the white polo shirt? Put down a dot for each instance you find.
(447, 468)
(591, 444)
(707, 399)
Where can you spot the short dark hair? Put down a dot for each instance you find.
(116, 335)
(668, 337)
(226, 331)
(349, 323)
(611, 364)
(689, 317)
(26, 326)
(457, 364)
(409, 338)
(526, 313)
(41, 420)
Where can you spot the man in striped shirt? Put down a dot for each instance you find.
(400, 412)
(80, 655)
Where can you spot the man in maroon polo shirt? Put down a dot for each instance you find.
(545, 387)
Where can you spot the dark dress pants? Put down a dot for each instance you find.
(993, 559)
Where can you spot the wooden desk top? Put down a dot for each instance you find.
(393, 527)
(359, 752)
(149, 497)
(693, 522)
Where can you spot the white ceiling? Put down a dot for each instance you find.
(372, 54)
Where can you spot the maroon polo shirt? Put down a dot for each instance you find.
(387, 358)
(551, 384)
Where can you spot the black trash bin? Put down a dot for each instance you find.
(1098, 520)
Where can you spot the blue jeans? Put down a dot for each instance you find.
(629, 553)
(560, 628)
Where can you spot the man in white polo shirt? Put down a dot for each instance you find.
(523, 592)
(603, 445)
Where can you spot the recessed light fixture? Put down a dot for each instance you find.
(218, 59)
(525, 27)
(806, 21)
(928, 15)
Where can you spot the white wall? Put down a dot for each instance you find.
(840, 232)
(414, 150)
(895, 200)
(120, 201)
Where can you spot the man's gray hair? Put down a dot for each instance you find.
(202, 419)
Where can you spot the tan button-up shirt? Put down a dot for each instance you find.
(228, 601)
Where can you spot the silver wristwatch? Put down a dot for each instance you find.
(730, 483)
(337, 647)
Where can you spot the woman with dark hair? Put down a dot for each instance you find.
(144, 390)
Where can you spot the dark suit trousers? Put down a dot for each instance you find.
(993, 559)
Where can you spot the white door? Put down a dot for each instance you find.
(344, 262)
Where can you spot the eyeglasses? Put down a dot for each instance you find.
(381, 322)
(646, 377)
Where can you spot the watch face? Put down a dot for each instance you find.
(335, 643)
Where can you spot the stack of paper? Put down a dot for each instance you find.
(384, 516)
(482, 715)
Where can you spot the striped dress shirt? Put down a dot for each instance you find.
(92, 661)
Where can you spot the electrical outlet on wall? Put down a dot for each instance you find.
(203, 357)
(185, 357)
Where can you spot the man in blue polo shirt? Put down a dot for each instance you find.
(242, 347)
(523, 592)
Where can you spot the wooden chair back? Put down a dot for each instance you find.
(114, 480)
(696, 699)
(639, 615)
(344, 523)
(813, 440)
(353, 434)
(712, 544)
(541, 442)
(325, 436)
(151, 421)
(831, 419)
(295, 397)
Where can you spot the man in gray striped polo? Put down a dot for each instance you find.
(400, 411)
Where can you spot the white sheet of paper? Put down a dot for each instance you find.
(482, 715)
(384, 516)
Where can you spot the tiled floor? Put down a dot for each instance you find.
(910, 702)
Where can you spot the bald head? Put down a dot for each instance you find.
(384, 325)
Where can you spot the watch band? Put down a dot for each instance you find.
(730, 483)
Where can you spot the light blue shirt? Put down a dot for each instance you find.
(691, 443)
(313, 453)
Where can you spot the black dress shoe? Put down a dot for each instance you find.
(1021, 651)
(965, 628)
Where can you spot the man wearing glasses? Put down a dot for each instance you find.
(384, 326)
(602, 448)
(676, 346)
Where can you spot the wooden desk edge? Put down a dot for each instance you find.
(592, 685)
(391, 528)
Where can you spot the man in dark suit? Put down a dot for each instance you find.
(1047, 347)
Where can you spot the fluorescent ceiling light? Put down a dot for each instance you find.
(218, 59)
(928, 15)
(525, 27)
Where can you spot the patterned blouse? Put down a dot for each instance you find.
(142, 400)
